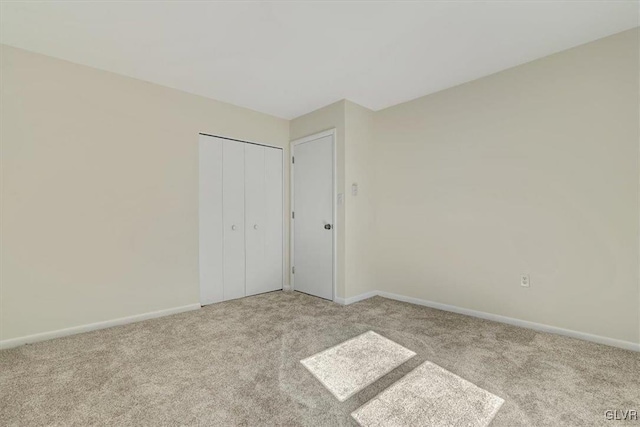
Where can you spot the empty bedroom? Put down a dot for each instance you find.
(320, 213)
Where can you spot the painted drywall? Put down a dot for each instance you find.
(329, 117)
(533, 170)
(360, 239)
(100, 192)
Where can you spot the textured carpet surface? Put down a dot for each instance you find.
(430, 396)
(352, 365)
(238, 363)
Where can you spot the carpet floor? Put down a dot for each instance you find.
(238, 363)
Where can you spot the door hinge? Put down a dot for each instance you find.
(293, 215)
(293, 270)
(293, 159)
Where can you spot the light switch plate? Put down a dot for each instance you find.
(340, 198)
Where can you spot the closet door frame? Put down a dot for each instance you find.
(284, 200)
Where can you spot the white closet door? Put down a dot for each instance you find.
(210, 218)
(254, 216)
(233, 219)
(264, 215)
(274, 216)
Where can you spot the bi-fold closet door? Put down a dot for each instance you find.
(241, 219)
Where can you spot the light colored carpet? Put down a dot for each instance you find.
(238, 363)
(348, 367)
(430, 396)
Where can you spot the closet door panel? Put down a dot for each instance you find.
(233, 219)
(210, 219)
(274, 216)
(254, 216)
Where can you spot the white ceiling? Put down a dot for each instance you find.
(289, 58)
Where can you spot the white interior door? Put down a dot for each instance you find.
(233, 219)
(313, 195)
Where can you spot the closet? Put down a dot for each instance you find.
(240, 218)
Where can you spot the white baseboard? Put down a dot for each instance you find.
(351, 300)
(627, 345)
(15, 342)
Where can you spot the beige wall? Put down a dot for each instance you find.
(99, 192)
(360, 238)
(531, 170)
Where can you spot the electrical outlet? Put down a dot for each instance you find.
(524, 281)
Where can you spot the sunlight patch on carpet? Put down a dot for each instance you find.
(354, 364)
(430, 396)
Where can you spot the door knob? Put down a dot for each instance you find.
(327, 226)
(233, 227)
(255, 227)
